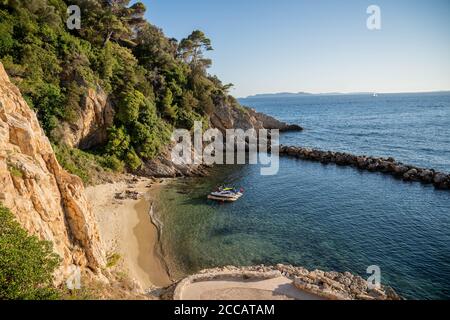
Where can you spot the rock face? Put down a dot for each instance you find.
(95, 116)
(226, 116)
(46, 200)
(163, 167)
(384, 165)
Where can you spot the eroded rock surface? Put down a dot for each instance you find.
(93, 119)
(46, 200)
(226, 116)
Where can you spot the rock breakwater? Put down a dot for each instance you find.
(374, 164)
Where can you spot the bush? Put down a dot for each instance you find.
(26, 263)
(80, 163)
(133, 160)
(113, 163)
(112, 260)
(15, 171)
(118, 142)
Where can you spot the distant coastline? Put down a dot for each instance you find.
(302, 94)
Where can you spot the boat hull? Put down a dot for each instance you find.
(224, 199)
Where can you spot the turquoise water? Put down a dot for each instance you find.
(324, 216)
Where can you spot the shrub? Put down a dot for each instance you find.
(15, 171)
(112, 260)
(113, 163)
(26, 263)
(80, 163)
(133, 160)
(118, 142)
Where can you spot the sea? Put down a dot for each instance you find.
(325, 216)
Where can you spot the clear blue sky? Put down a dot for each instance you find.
(267, 46)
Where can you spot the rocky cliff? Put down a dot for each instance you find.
(96, 114)
(46, 200)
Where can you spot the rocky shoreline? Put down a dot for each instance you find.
(327, 285)
(407, 173)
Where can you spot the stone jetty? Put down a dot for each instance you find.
(374, 164)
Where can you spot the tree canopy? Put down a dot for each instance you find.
(154, 82)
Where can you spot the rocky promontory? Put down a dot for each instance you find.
(233, 116)
(374, 164)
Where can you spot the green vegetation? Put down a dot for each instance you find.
(84, 164)
(15, 171)
(155, 83)
(112, 260)
(26, 263)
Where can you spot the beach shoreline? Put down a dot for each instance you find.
(128, 228)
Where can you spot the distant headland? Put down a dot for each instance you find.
(301, 94)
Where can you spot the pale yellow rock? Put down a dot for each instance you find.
(46, 200)
(96, 114)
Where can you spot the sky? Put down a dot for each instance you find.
(268, 46)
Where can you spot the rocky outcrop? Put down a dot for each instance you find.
(163, 167)
(94, 117)
(327, 285)
(385, 165)
(226, 116)
(46, 200)
(268, 122)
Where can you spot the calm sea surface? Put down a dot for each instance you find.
(324, 216)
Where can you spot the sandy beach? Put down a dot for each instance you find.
(126, 228)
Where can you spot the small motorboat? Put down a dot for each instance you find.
(226, 194)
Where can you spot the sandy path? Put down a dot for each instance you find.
(125, 228)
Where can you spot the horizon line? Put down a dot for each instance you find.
(341, 93)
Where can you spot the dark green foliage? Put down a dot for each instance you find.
(114, 163)
(133, 160)
(118, 142)
(26, 263)
(155, 83)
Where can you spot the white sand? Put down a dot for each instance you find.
(125, 228)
